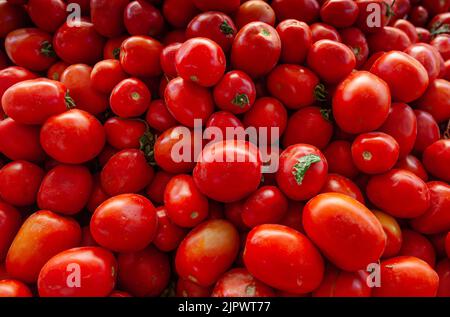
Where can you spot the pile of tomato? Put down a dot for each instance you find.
(96, 95)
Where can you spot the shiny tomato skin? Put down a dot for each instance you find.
(339, 157)
(13, 75)
(41, 236)
(55, 71)
(10, 221)
(227, 6)
(442, 44)
(414, 165)
(388, 39)
(358, 112)
(223, 120)
(142, 18)
(252, 11)
(12, 17)
(158, 116)
(447, 244)
(417, 245)
(443, 270)
(296, 39)
(155, 190)
(428, 57)
(40, 10)
(140, 56)
(167, 59)
(256, 41)
(106, 75)
(393, 234)
(302, 10)
(409, 29)
(144, 273)
(407, 276)
(339, 13)
(130, 98)
(13, 288)
(107, 16)
(340, 184)
(322, 31)
(233, 213)
(423, 34)
(168, 235)
(436, 158)
(124, 133)
(347, 233)
(97, 196)
(337, 283)
(436, 100)
(302, 173)
(124, 223)
(240, 283)
(427, 130)
(400, 193)
(207, 252)
(357, 42)
(97, 268)
(280, 257)
(293, 85)
(186, 206)
(73, 137)
(112, 47)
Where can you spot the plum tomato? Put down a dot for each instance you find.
(340, 184)
(235, 92)
(337, 283)
(357, 42)
(168, 235)
(167, 59)
(130, 98)
(12, 17)
(436, 100)
(140, 56)
(55, 71)
(436, 158)
(428, 57)
(106, 75)
(240, 283)
(442, 44)
(112, 48)
(417, 245)
(252, 11)
(414, 165)
(322, 31)
(124, 133)
(186, 288)
(408, 28)
(393, 234)
(13, 75)
(302, 10)
(339, 13)
(443, 270)
(158, 116)
(223, 120)
(9, 225)
(388, 39)
(107, 16)
(142, 18)
(13, 288)
(41, 10)
(296, 39)
(339, 157)
(427, 130)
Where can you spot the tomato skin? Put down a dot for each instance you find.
(124, 133)
(436, 100)
(393, 233)
(41, 236)
(112, 47)
(388, 39)
(427, 130)
(13, 288)
(144, 273)
(39, 12)
(107, 16)
(203, 259)
(19, 183)
(428, 57)
(124, 223)
(97, 267)
(130, 98)
(214, 172)
(329, 220)
(442, 44)
(447, 245)
(337, 283)
(98, 195)
(223, 120)
(167, 59)
(293, 85)
(436, 158)
(357, 42)
(158, 116)
(13, 75)
(252, 11)
(240, 283)
(339, 184)
(409, 29)
(168, 235)
(400, 193)
(302, 10)
(414, 165)
(179, 12)
(339, 13)
(407, 276)
(312, 178)
(10, 221)
(185, 205)
(24, 101)
(12, 17)
(423, 34)
(55, 71)
(279, 256)
(415, 244)
(339, 158)
(142, 18)
(80, 137)
(296, 39)
(140, 55)
(443, 270)
(186, 288)
(265, 47)
(106, 75)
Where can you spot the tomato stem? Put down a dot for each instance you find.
(116, 53)
(303, 165)
(147, 143)
(389, 9)
(226, 28)
(439, 28)
(47, 49)
(241, 100)
(320, 93)
(327, 114)
(70, 103)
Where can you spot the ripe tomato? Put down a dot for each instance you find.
(139, 56)
(78, 272)
(112, 47)
(167, 59)
(443, 270)
(179, 12)
(436, 158)
(442, 44)
(302, 10)
(41, 10)
(428, 57)
(337, 283)
(339, 13)
(73, 137)
(168, 235)
(124, 133)
(107, 16)
(339, 184)
(447, 244)
(408, 28)
(240, 283)
(186, 288)
(130, 98)
(256, 49)
(207, 252)
(55, 71)
(41, 236)
(414, 165)
(235, 92)
(223, 120)
(12, 17)
(400, 193)
(361, 103)
(13, 75)
(158, 116)
(13, 288)
(415, 244)
(227, 6)
(253, 11)
(356, 41)
(436, 100)
(124, 223)
(427, 130)
(142, 18)
(10, 223)
(388, 39)
(296, 39)
(106, 75)
(393, 234)
(339, 158)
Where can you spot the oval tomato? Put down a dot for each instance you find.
(393, 234)
(240, 283)
(9, 224)
(339, 184)
(107, 16)
(337, 283)
(140, 56)
(415, 244)
(296, 39)
(13, 288)
(436, 158)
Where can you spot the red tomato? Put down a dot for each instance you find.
(339, 158)
(322, 31)
(415, 244)
(107, 16)
(337, 283)
(112, 47)
(436, 158)
(130, 98)
(142, 18)
(168, 235)
(253, 11)
(79, 272)
(361, 103)
(424, 35)
(41, 10)
(73, 137)
(393, 234)
(10, 220)
(428, 57)
(340, 184)
(139, 56)
(296, 39)
(124, 223)
(408, 28)
(240, 283)
(167, 59)
(302, 10)
(427, 130)
(414, 165)
(226, 6)
(186, 288)
(119, 294)
(97, 196)
(281, 257)
(13, 75)
(436, 100)
(233, 213)
(356, 41)
(13, 288)
(406, 276)
(256, 49)
(447, 244)
(144, 273)
(56, 70)
(41, 236)
(12, 17)
(124, 133)
(442, 44)
(106, 75)
(339, 13)
(443, 270)
(179, 12)
(366, 15)
(400, 193)
(388, 39)
(207, 252)
(158, 116)
(223, 120)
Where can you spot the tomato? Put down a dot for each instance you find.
(124, 133)
(167, 59)
(175, 36)
(55, 71)
(12, 17)
(322, 31)
(144, 273)
(41, 10)
(168, 235)
(361, 103)
(13, 288)
(223, 120)
(91, 270)
(309, 125)
(388, 39)
(142, 18)
(130, 98)
(158, 116)
(226, 6)
(256, 49)
(293, 216)
(401, 124)
(187, 101)
(296, 39)
(186, 288)
(233, 213)
(436, 158)
(19, 183)
(10, 220)
(442, 44)
(253, 11)
(30, 48)
(97, 195)
(400, 193)
(339, 158)
(228, 171)
(280, 257)
(356, 41)
(179, 12)
(77, 79)
(428, 57)
(112, 47)
(340, 184)
(427, 130)
(124, 223)
(41, 236)
(393, 234)
(436, 100)
(107, 16)
(240, 283)
(339, 13)
(414, 165)
(366, 21)
(302, 10)
(73, 137)
(337, 283)
(407, 276)
(295, 86)
(70, 43)
(106, 75)
(13, 75)
(207, 252)
(139, 56)
(408, 28)
(235, 92)
(443, 270)
(415, 244)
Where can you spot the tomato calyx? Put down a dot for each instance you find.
(439, 28)
(264, 32)
(367, 156)
(356, 50)
(116, 53)
(327, 114)
(389, 9)
(303, 165)
(70, 103)
(47, 49)
(241, 100)
(226, 28)
(135, 96)
(147, 143)
(320, 93)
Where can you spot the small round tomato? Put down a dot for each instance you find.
(139, 56)
(428, 57)
(41, 236)
(186, 288)
(423, 34)
(185, 205)
(339, 184)
(227, 6)
(108, 16)
(303, 171)
(235, 92)
(106, 75)
(144, 273)
(442, 44)
(167, 59)
(356, 41)
(12, 17)
(112, 48)
(142, 18)
(443, 270)
(296, 39)
(253, 11)
(78, 272)
(302, 10)
(414, 165)
(13, 288)
(10, 224)
(207, 252)
(265, 48)
(322, 31)
(415, 244)
(361, 103)
(179, 12)
(55, 71)
(223, 120)
(400, 193)
(329, 220)
(124, 223)
(436, 100)
(168, 235)
(339, 13)
(339, 158)
(158, 116)
(388, 39)
(130, 98)
(406, 276)
(224, 179)
(240, 283)
(408, 28)
(436, 158)
(124, 133)
(73, 137)
(281, 257)
(293, 85)
(41, 10)
(187, 101)
(393, 234)
(337, 283)
(427, 130)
